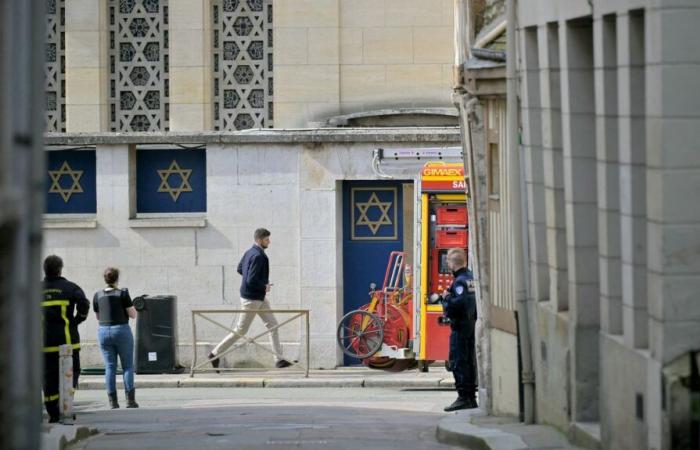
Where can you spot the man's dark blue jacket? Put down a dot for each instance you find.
(255, 268)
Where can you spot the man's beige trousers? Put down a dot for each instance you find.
(252, 308)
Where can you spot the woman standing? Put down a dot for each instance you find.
(113, 308)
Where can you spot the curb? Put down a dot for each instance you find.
(457, 429)
(141, 383)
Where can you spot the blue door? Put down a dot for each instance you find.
(372, 228)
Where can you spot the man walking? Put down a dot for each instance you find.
(255, 269)
(459, 305)
(64, 306)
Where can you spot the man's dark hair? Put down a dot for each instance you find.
(52, 266)
(261, 233)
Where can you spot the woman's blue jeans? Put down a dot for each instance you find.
(117, 340)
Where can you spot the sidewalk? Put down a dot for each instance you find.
(438, 377)
(475, 430)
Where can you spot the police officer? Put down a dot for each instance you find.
(459, 305)
(64, 306)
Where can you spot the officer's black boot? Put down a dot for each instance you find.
(466, 400)
(460, 403)
(113, 403)
(131, 399)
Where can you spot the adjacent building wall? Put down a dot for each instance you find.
(630, 255)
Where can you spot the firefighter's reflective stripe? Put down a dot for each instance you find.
(51, 398)
(55, 303)
(55, 349)
(64, 311)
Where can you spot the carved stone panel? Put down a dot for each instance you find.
(242, 59)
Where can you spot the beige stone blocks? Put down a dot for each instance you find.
(307, 83)
(291, 45)
(187, 48)
(363, 83)
(432, 45)
(305, 13)
(387, 45)
(186, 85)
(83, 15)
(413, 12)
(187, 117)
(323, 46)
(190, 99)
(86, 75)
(362, 13)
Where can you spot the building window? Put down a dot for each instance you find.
(55, 65)
(70, 182)
(242, 59)
(138, 65)
(171, 181)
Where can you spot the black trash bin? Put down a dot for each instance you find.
(156, 334)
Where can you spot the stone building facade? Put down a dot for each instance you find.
(129, 77)
(609, 121)
(291, 182)
(193, 65)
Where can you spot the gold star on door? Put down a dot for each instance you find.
(373, 214)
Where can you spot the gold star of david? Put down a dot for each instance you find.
(75, 187)
(374, 225)
(184, 185)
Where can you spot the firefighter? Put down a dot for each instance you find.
(459, 305)
(64, 306)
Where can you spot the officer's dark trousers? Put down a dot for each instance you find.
(51, 380)
(463, 361)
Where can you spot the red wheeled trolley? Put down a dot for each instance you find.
(379, 332)
(392, 331)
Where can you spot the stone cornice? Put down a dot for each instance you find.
(272, 136)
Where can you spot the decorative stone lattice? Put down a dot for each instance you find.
(242, 44)
(55, 65)
(138, 57)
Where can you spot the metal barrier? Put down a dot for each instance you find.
(203, 313)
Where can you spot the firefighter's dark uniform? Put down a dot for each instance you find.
(459, 306)
(64, 306)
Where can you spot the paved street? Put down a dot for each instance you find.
(257, 418)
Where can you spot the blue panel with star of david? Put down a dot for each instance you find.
(70, 182)
(171, 181)
(374, 213)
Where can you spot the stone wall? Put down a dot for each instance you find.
(288, 182)
(609, 112)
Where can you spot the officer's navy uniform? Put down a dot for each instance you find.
(459, 306)
(64, 306)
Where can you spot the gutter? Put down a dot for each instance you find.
(515, 192)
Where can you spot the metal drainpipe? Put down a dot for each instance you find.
(515, 190)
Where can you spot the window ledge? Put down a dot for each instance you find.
(61, 221)
(168, 222)
(494, 197)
